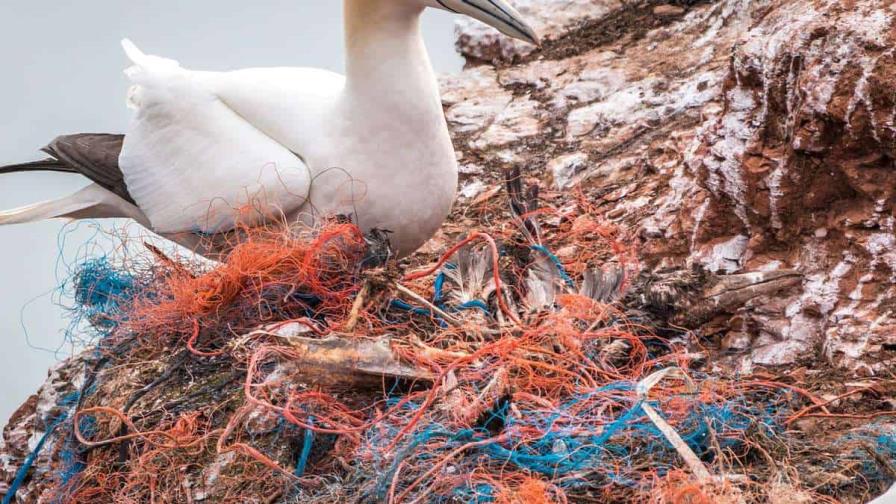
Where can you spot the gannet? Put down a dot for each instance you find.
(209, 152)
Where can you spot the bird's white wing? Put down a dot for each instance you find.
(194, 164)
(292, 105)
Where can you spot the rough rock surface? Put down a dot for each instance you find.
(33, 420)
(735, 135)
(550, 19)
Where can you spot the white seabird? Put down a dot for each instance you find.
(207, 152)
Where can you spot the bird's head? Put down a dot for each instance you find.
(496, 13)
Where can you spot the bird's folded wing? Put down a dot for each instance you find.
(193, 164)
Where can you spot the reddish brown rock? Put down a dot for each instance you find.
(739, 136)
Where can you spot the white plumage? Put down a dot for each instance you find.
(192, 163)
(207, 151)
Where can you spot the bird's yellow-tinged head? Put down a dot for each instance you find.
(496, 13)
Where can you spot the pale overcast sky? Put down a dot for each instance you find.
(62, 73)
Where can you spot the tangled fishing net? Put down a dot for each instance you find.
(304, 369)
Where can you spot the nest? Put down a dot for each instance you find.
(304, 369)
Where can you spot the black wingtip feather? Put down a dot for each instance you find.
(42, 165)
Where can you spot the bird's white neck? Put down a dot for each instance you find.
(386, 59)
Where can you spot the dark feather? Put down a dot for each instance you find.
(523, 201)
(603, 285)
(43, 165)
(95, 156)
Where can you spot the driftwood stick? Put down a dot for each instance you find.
(356, 307)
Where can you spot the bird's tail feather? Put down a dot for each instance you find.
(92, 202)
(39, 211)
(34, 213)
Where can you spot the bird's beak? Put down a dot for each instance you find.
(496, 13)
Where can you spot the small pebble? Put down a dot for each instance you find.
(616, 213)
(667, 10)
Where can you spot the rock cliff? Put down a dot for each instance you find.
(737, 136)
